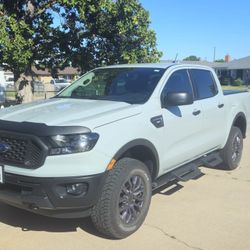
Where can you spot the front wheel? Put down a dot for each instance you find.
(125, 199)
(232, 152)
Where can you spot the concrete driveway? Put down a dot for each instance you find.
(212, 212)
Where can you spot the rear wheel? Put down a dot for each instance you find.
(125, 199)
(232, 152)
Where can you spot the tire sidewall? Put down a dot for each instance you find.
(138, 169)
(230, 164)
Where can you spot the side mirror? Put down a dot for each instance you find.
(177, 99)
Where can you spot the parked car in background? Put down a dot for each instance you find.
(9, 83)
(2, 95)
(2, 80)
(60, 83)
(6, 82)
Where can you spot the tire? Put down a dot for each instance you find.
(119, 213)
(232, 152)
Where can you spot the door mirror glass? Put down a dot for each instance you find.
(177, 90)
(177, 99)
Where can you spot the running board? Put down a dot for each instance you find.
(188, 171)
(183, 173)
(194, 173)
(212, 160)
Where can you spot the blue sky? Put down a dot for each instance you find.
(193, 27)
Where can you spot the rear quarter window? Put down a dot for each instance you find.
(204, 83)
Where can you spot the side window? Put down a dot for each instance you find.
(178, 82)
(204, 83)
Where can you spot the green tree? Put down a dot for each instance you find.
(89, 33)
(105, 32)
(27, 39)
(220, 60)
(192, 58)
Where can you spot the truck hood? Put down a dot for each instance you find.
(70, 112)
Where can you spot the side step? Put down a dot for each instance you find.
(212, 160)
(183, 173)
(192, 173)
(188, 171)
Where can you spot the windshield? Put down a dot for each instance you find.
(131, 85)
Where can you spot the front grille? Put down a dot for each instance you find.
(17, 150)
(21, 150)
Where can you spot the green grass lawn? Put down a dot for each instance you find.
(10, 94)
(235, 87)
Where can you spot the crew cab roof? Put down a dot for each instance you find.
(155, 65)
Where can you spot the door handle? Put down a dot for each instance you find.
(221, 105)
(196, 112)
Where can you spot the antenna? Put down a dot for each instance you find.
(176, 56)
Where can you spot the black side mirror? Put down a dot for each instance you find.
(176, 99)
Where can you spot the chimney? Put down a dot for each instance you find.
(227, 58)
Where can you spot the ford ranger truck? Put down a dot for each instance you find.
(100, 146)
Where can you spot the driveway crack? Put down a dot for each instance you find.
(173, 237)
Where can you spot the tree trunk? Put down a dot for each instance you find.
(24, 87)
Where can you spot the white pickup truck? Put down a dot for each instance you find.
(104, 143)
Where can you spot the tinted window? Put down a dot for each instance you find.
(178, 82)
(132, 85)
(204, 83)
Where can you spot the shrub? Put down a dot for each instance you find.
(238, 82)
(225, 81)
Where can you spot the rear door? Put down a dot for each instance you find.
(212, 108)
(183, 125)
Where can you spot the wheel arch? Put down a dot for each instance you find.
(240, 121)
(142, 150)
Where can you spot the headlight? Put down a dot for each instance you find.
(69, 144)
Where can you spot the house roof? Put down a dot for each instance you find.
(242, 63)
(65, 71)
(6, 72)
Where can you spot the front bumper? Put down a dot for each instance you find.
(49, 196)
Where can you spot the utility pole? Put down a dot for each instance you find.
(214, 53)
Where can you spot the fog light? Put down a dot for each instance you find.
(77, 188)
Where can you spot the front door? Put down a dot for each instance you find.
(183, 125)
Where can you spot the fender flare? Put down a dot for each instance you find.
(140, 142)
(240, 114)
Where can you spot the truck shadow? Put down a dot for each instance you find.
(168, 189)
(28, 221)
